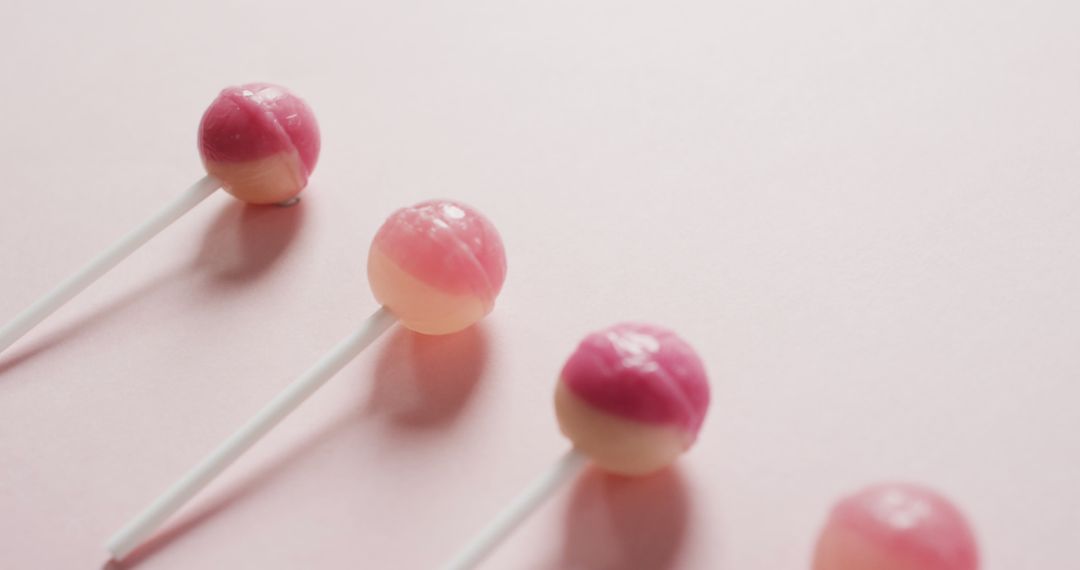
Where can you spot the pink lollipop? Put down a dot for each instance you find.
(631, 398)
(445, 282)
(425, 259)
(896, 527)
(261, 141)
(258, 141)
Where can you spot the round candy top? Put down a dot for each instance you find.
(640, 372)
(632, 396)
(437, 265)
(896, 527)
(261, 141)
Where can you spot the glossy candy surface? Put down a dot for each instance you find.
(896, 527)
(437, 265)
(632, 397)
(261, 141)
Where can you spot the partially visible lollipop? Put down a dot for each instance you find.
(631, 398)
(258, 141)
(425, 261)
(896, 527)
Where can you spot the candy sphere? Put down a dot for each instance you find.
(632, 397)
(896, 527)
(438, 266)
(261, 141)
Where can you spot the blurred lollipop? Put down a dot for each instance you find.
(896, 527)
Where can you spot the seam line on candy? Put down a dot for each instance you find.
(458, 243)
(263, 115)
(680, 396)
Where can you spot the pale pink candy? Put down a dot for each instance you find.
(896, 527)
(438, 266)
(633, 397)
(261, 141)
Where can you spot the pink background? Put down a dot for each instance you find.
(866, 216)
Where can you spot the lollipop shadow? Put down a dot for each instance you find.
(620, 523)
(422, 381)
(245, 241)
(241, 244)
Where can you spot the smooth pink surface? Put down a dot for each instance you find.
(448, 245)
(640, 372)
(257, 120)
(864, 215)
(914, 525)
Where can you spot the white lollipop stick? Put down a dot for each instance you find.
(568, 466)
(124, 541)
(105, 261)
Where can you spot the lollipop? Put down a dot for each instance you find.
(258, 141)
(631, 398)
(438, 266)
(440, 248)
(896, 527)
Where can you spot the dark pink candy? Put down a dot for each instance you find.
(255, 121)
(641, 372)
